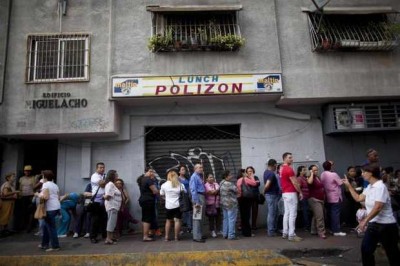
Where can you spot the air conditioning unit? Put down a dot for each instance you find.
(361, 117)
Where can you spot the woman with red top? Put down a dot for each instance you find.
(316, 202)
(302, 179)
(245, 202)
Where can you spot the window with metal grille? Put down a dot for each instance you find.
(372, 32)
(54, 58)
(195, 31)
(364, 117)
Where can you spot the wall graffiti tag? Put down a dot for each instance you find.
(212, 163)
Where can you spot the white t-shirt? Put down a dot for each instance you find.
(379, 192)
(94, 180)
(53, 203)
(171, 194)
(115, 201)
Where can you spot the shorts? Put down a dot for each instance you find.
(148, 212)
(174, 213)
(112, 220)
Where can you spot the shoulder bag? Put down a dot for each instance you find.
(247, 192)
(92, 206)
(40, 212)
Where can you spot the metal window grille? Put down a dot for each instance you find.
(195, 30)
(353, 32)
(367, 117)
(54, 58)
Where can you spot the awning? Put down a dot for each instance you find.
(193, 8)
(362, 10)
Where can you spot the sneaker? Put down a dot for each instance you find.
(86, 235)
(52, 249)
(37, 233)
(339, 234)
(62, 236)
(234, 238)
(213, 234)
(42, 247)
(75, 235)
(284, 236)
(295, 239)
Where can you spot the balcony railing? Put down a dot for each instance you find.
(196, 31)
(353, 32)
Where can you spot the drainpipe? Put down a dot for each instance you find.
(7, 21)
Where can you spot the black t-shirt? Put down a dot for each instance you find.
(146, 195)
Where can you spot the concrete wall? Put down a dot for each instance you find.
(335, 75)
(132, 29)
(39, 17)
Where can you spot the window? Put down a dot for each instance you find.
(55, 58)
(195, 31)
(366, 32)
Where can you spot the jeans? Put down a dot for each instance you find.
(65, 219)
(187, 219)
(50, 231)
(272, 210)
(290, 202)
(197, 224)
(229, 222)
(388, 235)
(334, 214)
(306, 218)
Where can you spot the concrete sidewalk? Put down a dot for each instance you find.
(21, 249)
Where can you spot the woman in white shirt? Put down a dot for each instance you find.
(51, 194)
(112, 203)
(171, 190)
(380, 224)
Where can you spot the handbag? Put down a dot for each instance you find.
(247, 192)
(91, 205)
(40, 212)
(261, 199)
(184, 202)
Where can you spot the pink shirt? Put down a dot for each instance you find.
(332, 183)
(211, 199)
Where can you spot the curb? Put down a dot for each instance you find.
(220, 258)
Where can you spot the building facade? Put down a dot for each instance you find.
(165, 83)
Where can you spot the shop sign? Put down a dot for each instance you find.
(188, 85)
(57, 100)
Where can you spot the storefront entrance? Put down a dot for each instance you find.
(42, 155)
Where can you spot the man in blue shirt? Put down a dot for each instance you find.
(197, 190)
(271, 190)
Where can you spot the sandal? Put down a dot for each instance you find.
(109, 242)
(148, 239)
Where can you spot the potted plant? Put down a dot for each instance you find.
(161, 42)
(229, 42)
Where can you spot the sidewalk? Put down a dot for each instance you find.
(130, 250)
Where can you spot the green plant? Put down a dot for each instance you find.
(228, 42)
(160, 42)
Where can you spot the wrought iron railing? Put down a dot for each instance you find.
(353, 32)
(195, 31)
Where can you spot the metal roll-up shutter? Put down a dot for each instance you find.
(216, 147)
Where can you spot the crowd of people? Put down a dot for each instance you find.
(365, 198)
